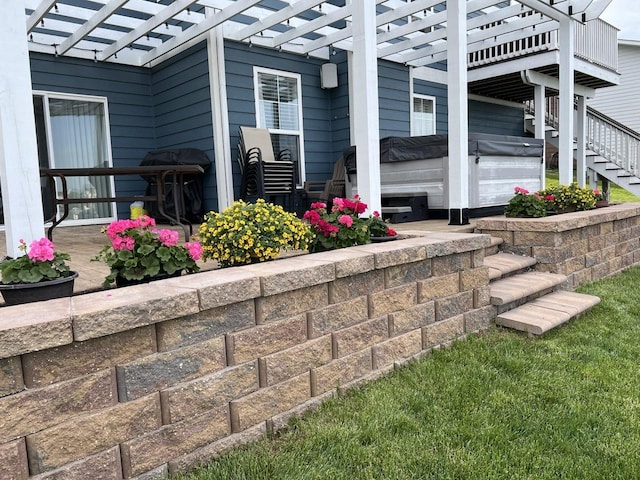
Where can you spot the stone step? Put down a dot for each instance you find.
(503, 264)
(494, 246)
(516, 290)
(544, 313)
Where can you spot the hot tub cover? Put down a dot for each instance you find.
(403, 149)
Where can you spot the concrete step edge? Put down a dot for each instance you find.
(523, 285)
(548, 312)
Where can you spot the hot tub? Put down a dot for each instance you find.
(418, 166)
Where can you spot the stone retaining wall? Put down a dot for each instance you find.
(153, 379)
(585, 246)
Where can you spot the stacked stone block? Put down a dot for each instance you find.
(584, 246)
(150, 380)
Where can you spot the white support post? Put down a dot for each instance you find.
(458, 171)
(220, 113)
(365, 114)
(540, 125)
(581, 136)
(19, 169)
(565, 129)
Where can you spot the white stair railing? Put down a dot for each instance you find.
(606, 137)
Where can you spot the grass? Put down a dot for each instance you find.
(616, 194)
(496, 406)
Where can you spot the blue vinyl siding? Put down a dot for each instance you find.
(316, 103)
(340, 125)
(182, 108)
(131, 115)
(393, 99)
(496, 119)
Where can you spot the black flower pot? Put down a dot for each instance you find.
(19, 293)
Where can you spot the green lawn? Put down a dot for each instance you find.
(616, 194)
(495, 406)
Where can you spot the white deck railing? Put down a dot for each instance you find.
(595, 41)
(608, 138)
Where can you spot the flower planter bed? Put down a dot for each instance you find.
(585, 246)
(162, 376)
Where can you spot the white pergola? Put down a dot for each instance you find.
(143, 33)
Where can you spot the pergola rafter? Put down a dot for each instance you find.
(138, 32)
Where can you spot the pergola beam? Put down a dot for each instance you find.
(145, 27)
(102, 14)
(198, 29)
(39, 13)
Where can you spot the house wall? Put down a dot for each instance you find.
(486, 117)
(622, 102)
(131, 110)
(316, 102)
(157, 378)
(182, 107)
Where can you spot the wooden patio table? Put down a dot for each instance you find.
(161, 174)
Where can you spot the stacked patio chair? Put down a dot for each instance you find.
(265, 175)
(325, 191)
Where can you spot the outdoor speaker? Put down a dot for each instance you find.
(329, 75)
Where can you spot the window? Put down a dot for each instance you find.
(279, 109)
(72, 132)
(423, 115)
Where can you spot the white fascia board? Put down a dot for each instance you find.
(146, 26)
(45, 44)
(430, 75)
(512, 66)
(594, 70)
(91, 24)
(532, 77)
(196, 31)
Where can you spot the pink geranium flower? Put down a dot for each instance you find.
(346, 220)
(41, 250)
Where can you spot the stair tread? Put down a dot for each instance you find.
(522, 285)
(505, 263)
(545, 313)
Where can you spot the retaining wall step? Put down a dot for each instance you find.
(543, 314)
(502, 264)
(494, 246)
(523, 285)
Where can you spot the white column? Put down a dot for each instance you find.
(220, 113)
(458, 170)
(365, 115)
(541, 130)
(565, 129)
(581, 135)
(19, 169)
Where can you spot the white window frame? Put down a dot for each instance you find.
(105, 104)
(300, 132)
(413, 122)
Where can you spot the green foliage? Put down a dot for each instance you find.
(570, 196)
(250, 232)
(499, 405)
(137, 251)
(26, 270)
(525, 204)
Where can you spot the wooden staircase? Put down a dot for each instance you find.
(527, 300)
